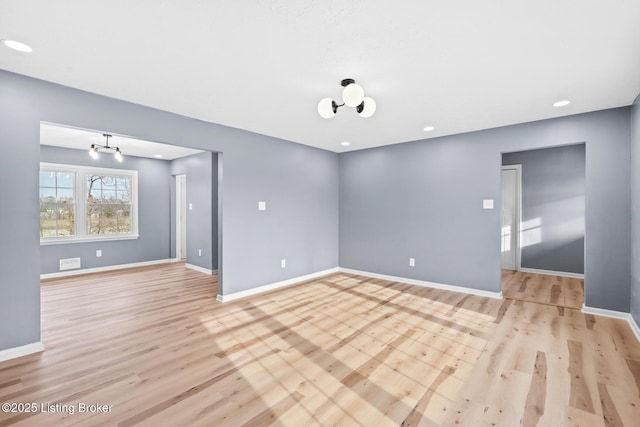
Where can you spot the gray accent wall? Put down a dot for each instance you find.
(423, 199)
(635, 199)
(553, 207)
(201, 171)
(297, 182)
(153, 214)
(20, 242)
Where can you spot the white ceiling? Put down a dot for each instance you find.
(263, 65)
(80, 139)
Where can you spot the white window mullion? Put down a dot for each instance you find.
(81, 216)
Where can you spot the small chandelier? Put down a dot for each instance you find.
(352, 96)
(93, 151)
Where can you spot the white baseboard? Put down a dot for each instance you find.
(102, 269)
(24, 350)
(616, 315)
(461, 289)
(201, 269)
(272, 286)
(634, 326)
(552, 273)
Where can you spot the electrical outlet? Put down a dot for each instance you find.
(412, 262)
(262, 206)
(283, 263)
(98, 253)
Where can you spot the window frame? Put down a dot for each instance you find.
(81, 205)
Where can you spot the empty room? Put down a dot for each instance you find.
(319, 213)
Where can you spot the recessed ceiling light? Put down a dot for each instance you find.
(15, 45)
(428, 128)
(562, 103)
(157, 156)
(345, 143)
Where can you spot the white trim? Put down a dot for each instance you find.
(272, 286)
(552, 273)
(634, 327)
(73, 239)
(201, 269)
(181, 215)
(12, 353)
(615, 315)
(105, 268)
(518, 231)
(461, 289)
(606, 313)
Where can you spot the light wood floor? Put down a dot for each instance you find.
(342, 350)
(542, 288)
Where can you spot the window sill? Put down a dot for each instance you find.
(63, 241)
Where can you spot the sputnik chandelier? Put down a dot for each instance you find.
(352, 96)
(93, 151)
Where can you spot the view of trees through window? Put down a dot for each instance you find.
(77, 202)
(57, 204)
(108, 204)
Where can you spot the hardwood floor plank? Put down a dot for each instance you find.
(230, 369)
(610, 414)
(543, 288)
(580, 394)
(503, 309)
(272, 414)
(534, 408)
(415, 416)
(634, 367)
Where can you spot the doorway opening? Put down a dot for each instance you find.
(181, 217)
(160, 191)
(542, 225)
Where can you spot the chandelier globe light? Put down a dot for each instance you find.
(352, 96)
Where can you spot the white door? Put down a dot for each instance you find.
(181, 216)
(510, 218)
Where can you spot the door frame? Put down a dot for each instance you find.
(181, 216)
(518, 215)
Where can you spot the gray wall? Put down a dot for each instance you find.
(635, 198)
(424, 199)
(297, 182)
(153, 214)
(553, 192)
(202, 222)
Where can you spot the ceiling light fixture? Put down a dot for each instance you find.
(345, 143)
(561, 103)
(93, 151)
(16, 45)
(428, 128)
(352, 96)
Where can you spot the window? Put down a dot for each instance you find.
(83, 204)
(57, 203)
(108, 204)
